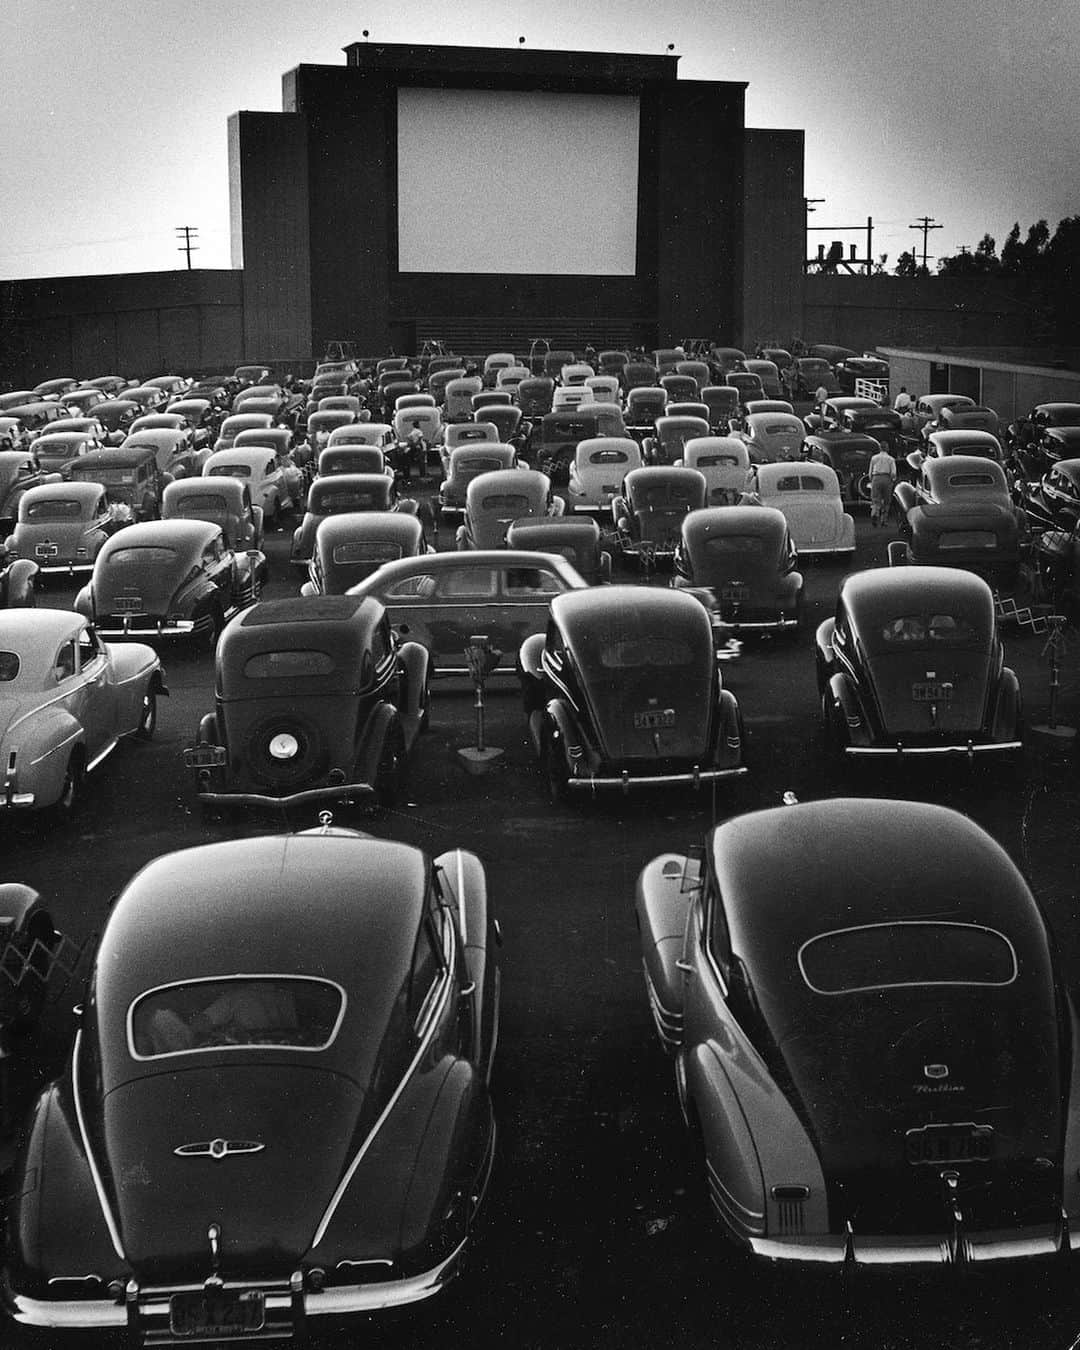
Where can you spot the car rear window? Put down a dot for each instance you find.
(343, 501)
(9, 667)
(197, 503)
(779, 428)
(229, 471)
(968, 480)
(715, 461)
(644, 652)
(800, 482)
(154, 556)
(903, 955)
(609, 457)
(54, 510)
(745, 545)
(967, 539)
(506, 501)
(357, 552)
(533, 581)
(288, 664)
(947, 629)
(235, 1012)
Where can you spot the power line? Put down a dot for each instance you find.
(926, 224)
(189, 232)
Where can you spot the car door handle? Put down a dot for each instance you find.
(467, 990)
(685, 967)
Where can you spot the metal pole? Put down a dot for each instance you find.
(479, 714)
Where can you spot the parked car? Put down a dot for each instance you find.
(17, 584)
(314, 700)
(830, 415)
(807, 374)
(884, 424)
(221, 501)
(69, 699)
(350, 547)
(576, 538)
(296, 462)
(19, 471)
(959, 513)
(928, 409)
(724, 463)
(174, 449)
(130, 476)
(494, 500)
(246, 376)
(596, 475)
(669, 438)
(55, 452)
(974, 417)
(116, 415)
(30, 946)
(170, 579)
(773, 437)
(768, 377)
(340, 494)
(465, 462)
(264, 473)
(553, 444)
(14, 436)
(623, 690)
(978, 444)
(82, 401)
(219, 1038)
(912, 664)
(201, 416)
(1050, 446)
(336, 459)
(445, 599)
(235, 423)
(62, 526)
(54, 388)
(1026, 431)
(1056, 558)
(848, 454)
(644, 404)
(809, 497)
(869, 1035)
(867, 375)
(724, 406)
(649, 512)
(1052, 502)
(740, 562)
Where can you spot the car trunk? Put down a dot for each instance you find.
(50, 542)
(267, 1201)
(134, 587)
(892, 1111)
(661, 525)
(931, 694)
(654, 717)
(815, 521)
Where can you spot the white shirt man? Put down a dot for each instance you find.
(902, 403)
(882, 471)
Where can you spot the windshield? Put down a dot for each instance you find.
(236, 1010)
(902, 955)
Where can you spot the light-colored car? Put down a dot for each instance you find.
(772, 437)
(67, 699)
(55, 452)
(809, 496)
(261, 469)
(494, 500)
(174, 448)
(235, 423)
(571, 396)
(724, 463)
(380, 434)
(62, 526)
(600, 464)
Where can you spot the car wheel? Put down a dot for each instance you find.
(834, 745)
(555, 768)
(70, 797)
(391, 774)
(148, 717)
(862, 487)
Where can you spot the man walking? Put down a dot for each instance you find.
(882, 479)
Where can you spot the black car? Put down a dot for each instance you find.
(848, 454)
(1053, 501)
(624, 691)
(277, 1110)
(1051, 445)
(315, 699)
(741, 563)
(911, 664)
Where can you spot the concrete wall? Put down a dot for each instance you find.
(773, 234)
(142, 324)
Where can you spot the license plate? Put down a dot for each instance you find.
(646, 721)
(46, 550)
(933, 1144)
(734, 593)
(205, 756)
(128, 604)
(221, 1312)
(932, 691)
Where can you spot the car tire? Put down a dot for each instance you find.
(67, 804)
(831, 736)
(392, 771)
(555, 768)
(148, 717)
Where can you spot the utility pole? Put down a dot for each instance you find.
(190, 232)
(926, 224)
(808, 206)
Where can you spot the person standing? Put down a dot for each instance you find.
(882, 470)
(902, 403)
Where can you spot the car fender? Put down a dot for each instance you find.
(729, 747)
(372, 739)
(847, 533)
(849, 717)
(899, 553)
(19, 583)
(1008, 708)
(464, 882)
(905, 496)
(823, 651)
(604, 570)
(42, 741)
(564, 727)
(735, 1182)
(415, 663)
(666, 889)
(530, 658)
(84, 602)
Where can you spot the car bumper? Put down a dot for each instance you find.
(11, 800)
(1042, 1242)
(140, 626)
(145, 1312)
(780, 625)
(626, 781)
(321, 794)
(968, 748)
(50, 567)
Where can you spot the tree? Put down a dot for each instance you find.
(906, 266)
(1011, 251)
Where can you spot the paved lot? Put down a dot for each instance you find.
(597, 1233)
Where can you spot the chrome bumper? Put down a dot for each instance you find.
(1042, 1242)
(144, 628)
(145, 1312)
(61, 569)
(754, 625)
(626, 781)
(969, 748)
(323, 794)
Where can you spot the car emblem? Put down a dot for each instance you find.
(218, 1148)
(935, 1070)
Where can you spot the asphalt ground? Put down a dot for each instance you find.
(596, 1232)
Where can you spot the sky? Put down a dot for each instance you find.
(113, 115)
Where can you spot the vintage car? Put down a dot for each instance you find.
(334, 496)
(830, 415)
(748, 385)
(872, 1045)
(321, 424)
(1052, 502)
(848, 454)
(465, 433)
(14, 436)
(62, 526)
(19, 471)
(265, 475)
(884, 424)
(623, 690)
(605, 389)
(596, 475)
(809, 496)
(170, 579)
(1025, 433)
(198, 1062)
(147, 396)
(349, 548)
(773, 437)
(644, 404)
(174, 449)
(959, 513)
(740, 562)
(445, 599)
(493, 500)
(724, 462)
(246, 376)
(17, 584)
(83, 400)
(554, 441)
(315, 699)
(866, 375)
(649, 512)
(294, 461)
(116, 415)
(768, 376)
(679, 388)
(669, 438)
(807, 374)
(55, 451)
(638, 375)
(576, 538)
(378, 434)
(53, 388)
(468, 460)
(68, 699)
(535, 396)
(235, 423)
(353, 459)
(724, 405)
(458, 397)
(130, 476)
(980, 444)
(970, 417)
(201, 416)
(1050, 446)
(30, 948)
(911, 664)
(929, 407)
(726, 360)
(223, 501)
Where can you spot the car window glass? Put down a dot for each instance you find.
(899, 955)
(422, 586)
(472, 582)
(288, 665)
(89, 648)
(9, 667)
(64, 666)
(532, 581)
(718, 936)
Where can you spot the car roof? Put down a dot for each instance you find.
(939, 471)
(527, 482)
(661, 473)
(353, 525)
(877, 592)
(741, 520)
(496, 558)
(377, 484)
(633, 610)
(80, 492)
(122, 455)
(239, 454)
(946, 439)
(35, 635)
(182, 535)
(219, 485)
(769, 474)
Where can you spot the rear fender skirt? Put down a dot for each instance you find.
(20, 582)
(415, 661)
(371, 742)
(855, 725)
(566, 726)
(666, 889)
(464, 884)
(1008, 708)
